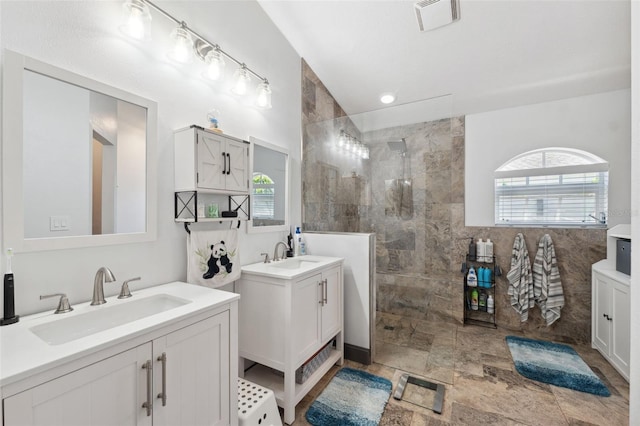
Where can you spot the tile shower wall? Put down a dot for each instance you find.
(420, 247)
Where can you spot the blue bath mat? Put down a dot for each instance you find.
(555, 364)
(352, 398)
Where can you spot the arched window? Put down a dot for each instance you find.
(263, 196)
(552, 186)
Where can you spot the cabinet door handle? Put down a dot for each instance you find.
(321, 284)
(163, 395)
(229, 163)
(224, 163)
(149, 403)
(326, 291)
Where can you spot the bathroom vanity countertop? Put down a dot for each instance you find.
(23, 353)
(291, 267)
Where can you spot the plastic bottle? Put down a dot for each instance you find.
(488, 251)
(490, 304)
(480, 274)
(297, 242)
(487, 278)
(480, 250)
(482, 301)
(474, 299)
(472, 278)
(472, 250)
(303, 246)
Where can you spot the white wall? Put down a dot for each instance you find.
(599, 124)
(83, 37)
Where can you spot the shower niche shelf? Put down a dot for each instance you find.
(480, 316)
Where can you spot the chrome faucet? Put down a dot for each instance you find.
(275, 251)
(103, 275)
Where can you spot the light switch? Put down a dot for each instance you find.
(59, 223)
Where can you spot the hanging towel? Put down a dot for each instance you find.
(213, 257)
(520, 279)
(547, 287)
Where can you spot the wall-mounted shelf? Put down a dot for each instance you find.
(186, 206)
(481, 316)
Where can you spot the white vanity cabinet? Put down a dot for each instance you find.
(284, 321)
(210, 161)
(181, 373)
(611, 316)
(108, 392)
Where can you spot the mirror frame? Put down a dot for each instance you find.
(14, 66)
(274, 228)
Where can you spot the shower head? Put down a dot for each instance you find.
(399, 146)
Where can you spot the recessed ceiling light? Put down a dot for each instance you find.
(387, 98)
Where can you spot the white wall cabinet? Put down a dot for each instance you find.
(611, 306)
(284, 322)
(210, 161)
(189, 366)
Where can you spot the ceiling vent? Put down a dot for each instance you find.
(433, 14)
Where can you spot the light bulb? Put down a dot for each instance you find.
(240, 80)
(136, 19)
(263, 95)
(182, 45)
(215, 64)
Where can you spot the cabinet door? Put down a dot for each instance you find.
(110, 392)
(197, 375)
(237, 178)
(306, 317)
(602, 310)
(211, 161)
(621, 326)
(332, 308)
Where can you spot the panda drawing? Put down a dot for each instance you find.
(218, 259)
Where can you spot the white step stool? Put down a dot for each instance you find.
(256, 405)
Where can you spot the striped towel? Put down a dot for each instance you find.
(547, 287)
(520, 279)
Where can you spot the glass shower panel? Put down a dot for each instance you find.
(409, 193)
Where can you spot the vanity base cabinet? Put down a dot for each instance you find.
(109, 392)
(283, 323)
(191, 366)
(611, 305)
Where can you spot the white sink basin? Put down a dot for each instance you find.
(104, 317)
(293, 264)
(292, 267)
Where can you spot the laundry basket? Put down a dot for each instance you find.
(256, 405)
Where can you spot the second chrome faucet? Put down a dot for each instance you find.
(103, 275)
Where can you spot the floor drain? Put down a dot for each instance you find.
(438, 400)
(389, 327)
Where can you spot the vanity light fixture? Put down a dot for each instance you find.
(263, 95)
(215, 64)
(240, 80)
(351, 146)
(186, 42)
(182, 51)
(136, 19)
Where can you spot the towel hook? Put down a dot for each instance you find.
(186, 227)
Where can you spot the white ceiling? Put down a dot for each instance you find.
(499, 54)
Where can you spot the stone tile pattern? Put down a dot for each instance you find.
(486, 389)
(419, 255)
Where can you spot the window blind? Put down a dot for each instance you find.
(552, 199)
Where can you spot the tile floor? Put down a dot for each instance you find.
(484, 388)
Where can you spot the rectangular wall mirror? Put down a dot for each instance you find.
(269, 187)
(78, 160)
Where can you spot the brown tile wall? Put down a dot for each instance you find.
(419, 253)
